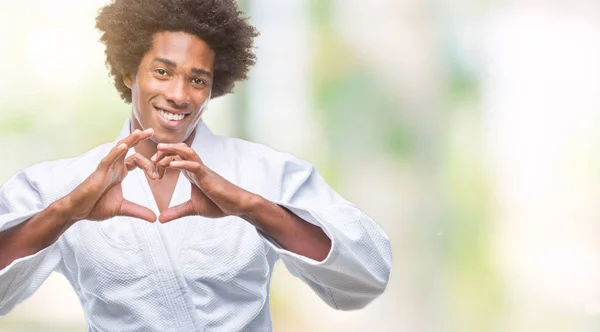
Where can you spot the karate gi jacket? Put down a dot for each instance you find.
(194, 273)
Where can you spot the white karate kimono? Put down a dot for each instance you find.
(195, 273)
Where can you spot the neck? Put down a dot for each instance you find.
(147, 148)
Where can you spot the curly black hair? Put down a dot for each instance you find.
(128, 27)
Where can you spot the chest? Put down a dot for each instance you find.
(201, 264)
(162, 190)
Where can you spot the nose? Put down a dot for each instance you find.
(177, 94)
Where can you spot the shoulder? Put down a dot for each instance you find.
(260, 168)
(82, 163)
(54, 178)
(247, 152)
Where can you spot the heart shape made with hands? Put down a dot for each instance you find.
(100, 196)
(211, 195)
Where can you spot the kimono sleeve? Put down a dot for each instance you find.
(358, 266)
(19, 201)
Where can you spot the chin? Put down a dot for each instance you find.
(168, 139)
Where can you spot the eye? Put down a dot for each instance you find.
(198, 81)
(161, 72)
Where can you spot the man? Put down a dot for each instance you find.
(227, 209)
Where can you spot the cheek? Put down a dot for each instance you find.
(203, 100)
(204, 104)
(202, 108)
(141, 94)
(135, 101)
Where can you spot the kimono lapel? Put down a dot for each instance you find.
(161, 242)
(139, 191)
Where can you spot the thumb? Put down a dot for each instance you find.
(131, 209)
(176, 212)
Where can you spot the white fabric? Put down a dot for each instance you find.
(195, 273)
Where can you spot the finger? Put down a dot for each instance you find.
(180, 149)
(166, 160)
(191, 166)
(136, 136)
(114, 154)
(143, 136)
(162, 165)
(131, 209)
(158, 156)
(176, 212)
(138, 160)
(133, 139)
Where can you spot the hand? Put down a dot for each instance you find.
(212, 196)
(100, 196)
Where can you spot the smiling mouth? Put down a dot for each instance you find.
(171, 116)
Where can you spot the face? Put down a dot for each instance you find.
(172, 86)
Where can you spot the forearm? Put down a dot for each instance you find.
(35, 234)
(288, 230)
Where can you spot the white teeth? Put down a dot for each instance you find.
(171, 116)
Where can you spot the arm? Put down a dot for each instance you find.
(20, 201)
(326, 241)
(358, 266)
(30, 228)
(33, 235)
(213, 196)
(99, 197)
(287, 229)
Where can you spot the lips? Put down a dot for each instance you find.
(169, 114)
(171, 119)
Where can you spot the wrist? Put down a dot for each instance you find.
(63, 209)
(252, 206)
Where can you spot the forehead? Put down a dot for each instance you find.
(186, 50)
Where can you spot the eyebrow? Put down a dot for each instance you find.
(196, 71)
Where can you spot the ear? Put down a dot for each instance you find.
(128, 80)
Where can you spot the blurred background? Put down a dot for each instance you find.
(470, 130)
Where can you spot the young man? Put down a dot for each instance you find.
(227, 209)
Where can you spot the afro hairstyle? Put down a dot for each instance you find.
(128, 26)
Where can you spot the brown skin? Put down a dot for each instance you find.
(174, 75)
(97, 198)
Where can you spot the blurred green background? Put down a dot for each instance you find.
(467, 129)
